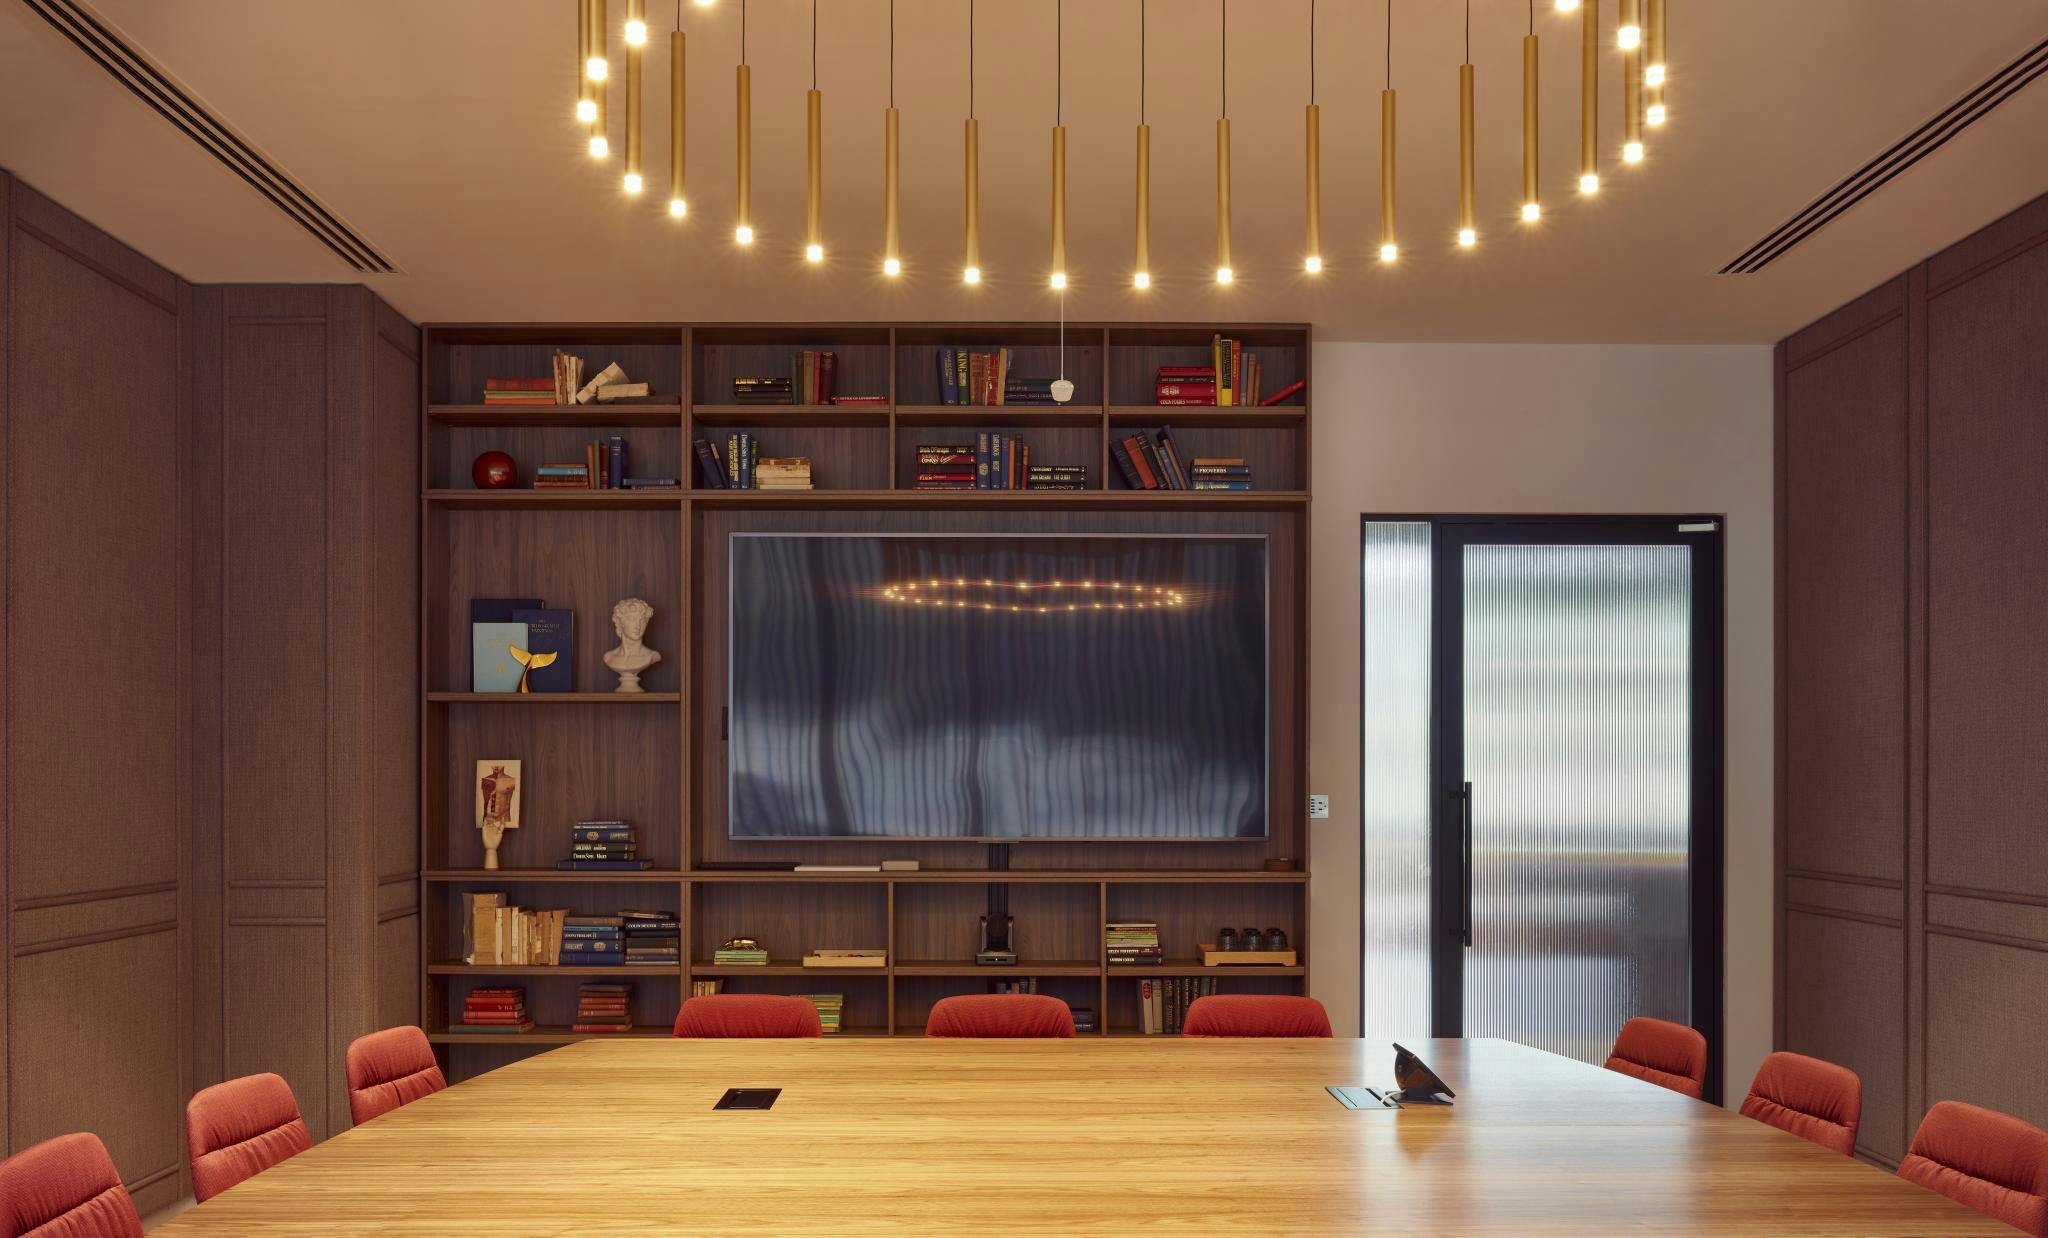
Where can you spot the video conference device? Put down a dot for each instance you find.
(748, 1098)
(1419, 1086)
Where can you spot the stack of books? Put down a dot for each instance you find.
(564, 476)
(945, 466)
(812, 374)
(1237, 377)
(494, 932)
(761, 390)
(1163, 1003)
(568, 378)
(1185, 384)
(1056, 477)
(739, 461)
(741, 958)
(603, 1008)
(593, 941)
(782, 473)
(1219, 473)
(967, 377)
(496, 1010)
(603, 846)
(865, 957)
(1132, 941)
(1150, 462)
(653, 938)
(1001, 462)
(520, 391)
(706, 988)
(829, 1006)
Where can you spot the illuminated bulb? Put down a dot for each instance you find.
(1531, 212)
(596, 69)
(586, 110)
(814, 253)
(1389, 252)
(1589, 183)
(1653, 75)
(972, 275)
(1223, 275)
(743, 234)
(892, 267)
(1059, 279)
(703, 4)
(1468, 237)
(599, 146)
(1655, 114)
(1632, 152)
(633, 182)
(678, 208)
(1313, 264)
(1567, 6)
(636, 33)
(1628, 38)
(1142, 279)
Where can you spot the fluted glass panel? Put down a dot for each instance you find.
(1394, 759)
(1576, 701)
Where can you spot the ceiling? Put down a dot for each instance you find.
(441, 131)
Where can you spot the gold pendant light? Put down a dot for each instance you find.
(1223, 272)
(1312, 258)
(971, 273)
(1468, 226)
(1141, 264)
(586, 107)
(1059, 150)
(1653, 64)
(892, 257)
(743, 215)
(1631, 84)
(1589, 99)
(1389, 250)
(1628, 35)
(597, 71)
(636, 19)
(1567, 6)
(678, 205)
(814, 188)
(1532, 201)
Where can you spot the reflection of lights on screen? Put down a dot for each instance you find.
(1024, 596)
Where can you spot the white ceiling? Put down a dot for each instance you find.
(440, 130)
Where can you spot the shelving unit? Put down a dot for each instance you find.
(661, 764)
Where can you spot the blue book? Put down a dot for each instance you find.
(981, 461)
(597, 833)
(550, 631)
(499, 610)
(615, 461)
(492, 668)
(949, 390)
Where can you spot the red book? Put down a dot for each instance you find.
(1187, 371)
(1148, 479)
(1204, 393)
(519, 384)
(1181, 401)
(1297, 385)
(945, 477)
(493, 1016)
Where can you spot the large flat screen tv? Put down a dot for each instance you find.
(999, 687)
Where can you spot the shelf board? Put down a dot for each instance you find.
(555, 698)
(1190, 500)
(666, 971)
(791, 414)
(1018, 876)
(999, 414)
(462, 876)
(781, 969)
(653, 413)
(556, 1034)
(1194, 967)
(943, 967)
(1279, 416)
(528, 499)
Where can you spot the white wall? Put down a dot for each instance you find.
(1422, 429)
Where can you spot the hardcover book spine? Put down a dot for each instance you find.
(981, 446)
(617, 463)
(1122, 456)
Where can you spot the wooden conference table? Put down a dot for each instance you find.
(1097, 1135)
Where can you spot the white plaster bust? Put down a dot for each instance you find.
(629, 622)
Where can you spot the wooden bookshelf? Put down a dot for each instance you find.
(661, 764)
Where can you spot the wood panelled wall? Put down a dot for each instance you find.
(208, 769)
(1913, 685)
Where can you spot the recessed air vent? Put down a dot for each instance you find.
(1908, 151)
(169, 100)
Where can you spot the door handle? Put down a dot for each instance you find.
(1465, 876)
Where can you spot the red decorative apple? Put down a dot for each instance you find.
(494, 470)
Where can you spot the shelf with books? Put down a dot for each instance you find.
(646, 456)
(1148, 363)
(529, 499)
(1168, 456)
(462, 359)
(798, 364)
(841, 456)
(665, 413)
(962, 365)
(934, 459)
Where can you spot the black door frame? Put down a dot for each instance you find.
(1706, 858)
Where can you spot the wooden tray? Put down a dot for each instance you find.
(1212, 957)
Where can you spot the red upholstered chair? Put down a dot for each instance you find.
(1256, 1014)
(390, 1068)
(65, 1188)
(1670, 1055)
(1983, 1159)
(1000, 1016)
(747, 1016)
(1818, 1101)
(238, 1129)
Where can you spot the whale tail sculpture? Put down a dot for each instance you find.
(530, 662)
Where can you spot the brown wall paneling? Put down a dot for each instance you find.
(6, 818)
(96, 685)
(393, 521)
(1842, 1004)
(1987, 1002)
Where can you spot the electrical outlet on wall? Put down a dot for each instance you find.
(1318, 807)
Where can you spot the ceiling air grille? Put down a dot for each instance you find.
(1904, 153)
(169, 100)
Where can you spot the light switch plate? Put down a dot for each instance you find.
(1318, 807)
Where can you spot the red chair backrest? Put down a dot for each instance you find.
(747, 1016)
(1818, 1101)
(1983, 1159)
(65, 1187)
(1670, 1055)
(390, 1068)
(238, 1129)
(1256, 1014)
(1000, 1016)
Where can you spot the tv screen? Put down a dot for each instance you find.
(997, 687)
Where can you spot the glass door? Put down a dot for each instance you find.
(1575, 832)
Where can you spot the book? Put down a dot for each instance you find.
(1281, 396)
(550, 631)
(492, 668)
(608, 376)
(601, 832)
(710, 470)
